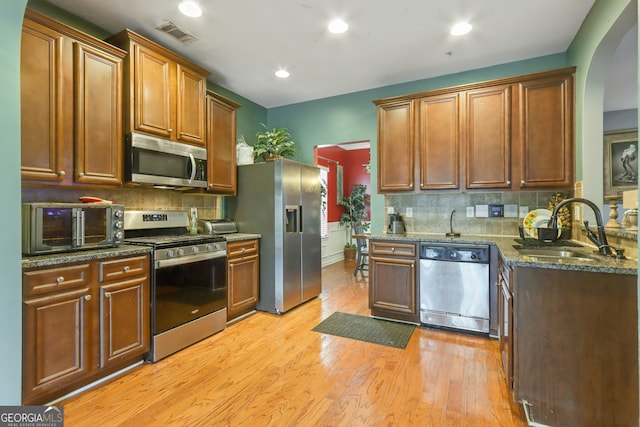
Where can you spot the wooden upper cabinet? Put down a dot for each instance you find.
(151, 104)
(510, 134)
(545, 134)
(164, 93)
(439, 139)
(71, 101)
(487, 121)
(221, 144)
(395, 147)
(97, 116)
(41, 103)
(191, 106)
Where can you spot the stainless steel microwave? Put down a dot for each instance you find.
(62, 227)
(159, 162)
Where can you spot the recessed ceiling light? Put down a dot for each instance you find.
(283, 74)
(461, 28)
(338, 26)
(190, 8)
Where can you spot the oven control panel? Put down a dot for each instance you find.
(192, 250)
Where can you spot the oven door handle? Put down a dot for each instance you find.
(162, 263)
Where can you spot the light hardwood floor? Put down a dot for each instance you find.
(270, 370)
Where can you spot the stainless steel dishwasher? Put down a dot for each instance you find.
(454, 286)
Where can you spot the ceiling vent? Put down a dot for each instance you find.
(173, 30)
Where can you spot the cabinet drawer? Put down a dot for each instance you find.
(241, 249)
(123, 268)
(37, 282)
(393, 248)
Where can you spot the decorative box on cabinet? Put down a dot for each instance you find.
(393, 290)
(82, 322)
(243, 277)
(71, 105)
(164, 93)
(221, 144)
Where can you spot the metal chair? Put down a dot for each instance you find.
(362, 247)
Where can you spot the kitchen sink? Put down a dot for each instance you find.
(556, 253)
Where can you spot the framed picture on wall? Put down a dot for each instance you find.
(620, 161)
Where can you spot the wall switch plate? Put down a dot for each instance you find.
(390, 210)
(523, 211)
(511, 211)
(470, 212)
(482, 211)
(409, 213)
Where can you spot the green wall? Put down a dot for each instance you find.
(352, 117)
(11, 13)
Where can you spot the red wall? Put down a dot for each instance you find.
(352, 173)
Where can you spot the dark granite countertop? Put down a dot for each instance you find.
(35, 261)
(513, 258)
(235, 237)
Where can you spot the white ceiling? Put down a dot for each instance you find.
(243, 42)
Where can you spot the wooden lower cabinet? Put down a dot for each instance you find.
(576, 347)
(243, 277)
(78, 327)
(393, 290)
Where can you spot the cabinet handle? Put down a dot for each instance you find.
(81, 174)
(62, 173)
(244, 250)
(87, 297)
(60, 279)
(107, 294)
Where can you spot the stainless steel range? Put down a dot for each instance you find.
(188, 279)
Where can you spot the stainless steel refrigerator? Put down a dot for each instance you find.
(280, 199)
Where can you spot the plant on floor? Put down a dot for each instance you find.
(272, 143)
(355, 209)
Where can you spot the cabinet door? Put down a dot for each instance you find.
(395, 147)
(97, 116)
(546, 132)
(221, 145)
(393, 285)
(56, 342)
(488, 137)
(243, 278)
(152, 92)
(41, 103)
(190, 114)
(124, 320)
(439, 136)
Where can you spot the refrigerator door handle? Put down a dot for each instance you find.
(300, 219)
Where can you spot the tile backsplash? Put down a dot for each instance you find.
(431, 212)
(209, 206)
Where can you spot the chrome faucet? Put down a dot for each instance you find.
(601, 240)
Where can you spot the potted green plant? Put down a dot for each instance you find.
(354, 215)
(273, 143)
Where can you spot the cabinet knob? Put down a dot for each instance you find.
(126, 268)
(87, 297)
(60, 279)
(181, 133)
(522, 182)
(393, 249)
(62, 173)
(107, 294)
(170, 130)
(81, 174)
(509, 182)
